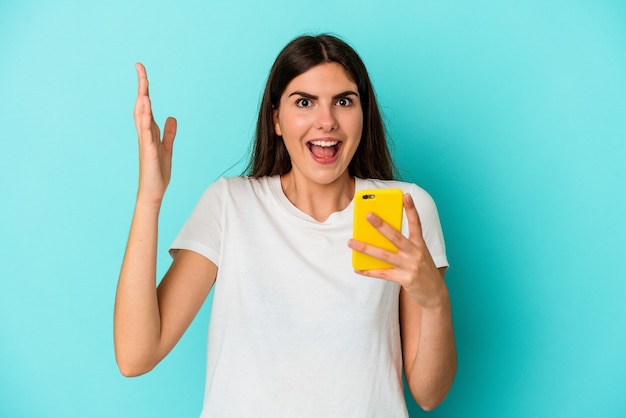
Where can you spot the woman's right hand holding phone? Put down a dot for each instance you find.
(155, 153)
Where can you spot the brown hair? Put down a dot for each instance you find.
(269, 156)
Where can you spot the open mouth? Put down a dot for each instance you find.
(324, 151)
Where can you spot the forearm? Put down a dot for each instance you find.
(136, 320)
(434, 367)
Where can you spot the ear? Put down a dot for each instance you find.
(276, 124)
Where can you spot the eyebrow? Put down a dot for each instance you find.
(312, 96)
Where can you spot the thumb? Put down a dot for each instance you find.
(169, 133)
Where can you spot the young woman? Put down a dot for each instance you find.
(294, 330)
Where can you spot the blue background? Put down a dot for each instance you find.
(512, 114)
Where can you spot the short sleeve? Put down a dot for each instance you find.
(431, 225)
(202, 232)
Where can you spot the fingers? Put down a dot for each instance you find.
(142, 80)
(143, 107)
(395, 236)
(386, 274)
(387, 230)
(169, 133)
(372, 251)
(404, 246)
(413, 218)
(143, 117)
(413, 266)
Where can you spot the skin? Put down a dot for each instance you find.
(321, 104)
(149, 321)
(428, 347)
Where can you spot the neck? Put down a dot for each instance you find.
(318, 200)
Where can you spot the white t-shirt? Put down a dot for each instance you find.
(294, 332)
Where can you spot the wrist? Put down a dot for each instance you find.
(440, 302)
(148, 202)
(147, 198)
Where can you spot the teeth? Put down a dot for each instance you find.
(325, 143)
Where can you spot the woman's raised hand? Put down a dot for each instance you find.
(155, 153)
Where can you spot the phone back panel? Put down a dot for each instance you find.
(387, 204)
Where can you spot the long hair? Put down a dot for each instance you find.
(372, 158)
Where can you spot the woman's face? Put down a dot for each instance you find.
(320, 120)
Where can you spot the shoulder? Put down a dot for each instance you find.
(238, 190)
(239, 184)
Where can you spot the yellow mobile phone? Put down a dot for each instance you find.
(387, 204)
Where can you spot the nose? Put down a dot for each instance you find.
(326, 120)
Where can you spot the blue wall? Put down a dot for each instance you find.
(512, 114)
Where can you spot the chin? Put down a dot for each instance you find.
(327, 177)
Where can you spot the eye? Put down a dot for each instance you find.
(344, 102)
(303, 102)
